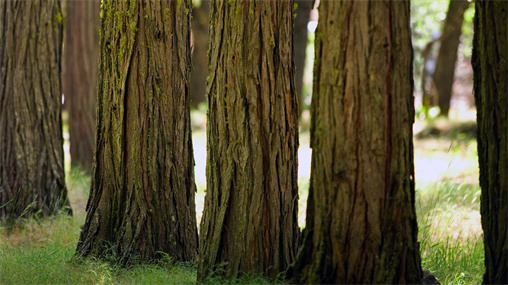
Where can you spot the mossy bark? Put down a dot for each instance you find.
(249, 221)
(80, 70)
(361, 225)
(32, 178)
(490, 65)
(141, 201)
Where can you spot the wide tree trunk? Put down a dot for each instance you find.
(249, 220)
(81, 52)
(361, 224)
(32, 178)
(445, 64)
(141, 201)
(490, 65)
(300, 43)
(200, 22)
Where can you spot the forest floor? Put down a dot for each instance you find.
(448, 199)
(447, 202)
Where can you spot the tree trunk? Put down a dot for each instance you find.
(141, 201)
(445, 64)
(200, 22)
(361, 224)
(300, 43)
(81, 51)
(490, 65)
(32, 178)
(249, 220)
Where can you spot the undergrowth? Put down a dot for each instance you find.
(448, 211)
(451, 245)
(40, 251)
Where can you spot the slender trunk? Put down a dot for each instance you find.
(445, 64)
(200, 22)
(490, 65)
(361, 224)
(81, 52)
(32, 178)
(300, 43)
(141, 203)
(249, 220)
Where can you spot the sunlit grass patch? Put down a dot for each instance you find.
(35, 250)
(41, 252)
(450, 233)
(453, 257)
(303, 194)
(78, 187)
(448, 207)
(454, 260)
(62, 229)
(441, 159)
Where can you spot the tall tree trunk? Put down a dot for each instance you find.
(142, 191)
(32, 178)
(361, 224)
(200, 22)
(300, 43)
(445, 64)
(490, 65)
(81, 52)
(249, 220)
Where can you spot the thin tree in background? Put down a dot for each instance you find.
(490, 65)
(249, 220)
(200, 23)
(32, 178)
(303, 8)
(141, 203)
(447, 57)
(80, 67)
(361, 225)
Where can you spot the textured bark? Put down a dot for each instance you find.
(361, 224)
(200, 22)
(81, 52)
(142, 191)
(445, 64)
(490, 65)
(300, 43)
(32, 178)
(249, 220)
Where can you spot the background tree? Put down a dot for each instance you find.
(445, 64)
(300, 43)
(361, 224)
(142, 191)
(249, 220)
(490, 64)
(32, 178)
(200, 22)
(81, 51)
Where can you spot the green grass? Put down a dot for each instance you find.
(450, 233)
(40, 251)
(447, 207)
(244, 279)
